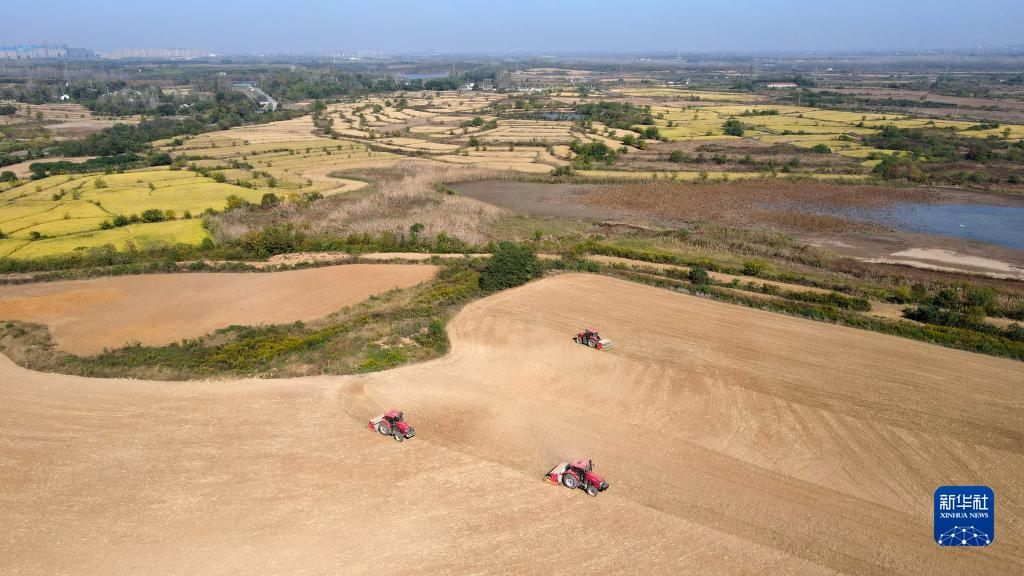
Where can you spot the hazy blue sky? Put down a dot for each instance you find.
(521, 25)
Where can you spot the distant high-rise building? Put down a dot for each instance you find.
(43, 51)
(33, 51)
(158, 53)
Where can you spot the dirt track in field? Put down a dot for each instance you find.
(735, 441)
(86, 316)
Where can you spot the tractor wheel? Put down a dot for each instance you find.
(398, 436)
(592, 343)
(592, 490)
(383, 428)
(569, 481)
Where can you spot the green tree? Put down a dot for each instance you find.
(269, 200)
(733, 127)
(510, 266)
(894, 167)
(153, 215)
(698, 275)
(754, 267)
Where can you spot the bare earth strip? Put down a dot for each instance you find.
(86, 316)
(937, 259)
(736, 441)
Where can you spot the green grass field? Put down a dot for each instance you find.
(60, 214)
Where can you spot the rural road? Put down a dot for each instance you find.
(735, 441)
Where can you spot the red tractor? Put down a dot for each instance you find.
(391, 423)
(578, 474)
(590, 337)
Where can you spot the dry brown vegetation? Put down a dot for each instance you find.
(761, 202)
(406, 195)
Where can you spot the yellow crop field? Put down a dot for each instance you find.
(139, 236)
(61, 213)
(283, 159)
(801, 125)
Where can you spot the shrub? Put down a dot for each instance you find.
(698, 275)
(235, 202)
(435, 337)
(273, 240)
(510, 266)
(591, 151)
(153, 215)
(733, 127)
(821, 149)
(7, 176)
(754, 267)
(894, 168)
(705, 263)
(269, 200)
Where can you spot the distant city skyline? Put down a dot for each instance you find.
(528, 26)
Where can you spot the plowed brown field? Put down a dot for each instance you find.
(735, 441)
(86, 316)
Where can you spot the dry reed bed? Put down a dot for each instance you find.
(407, 196)
(798, 205)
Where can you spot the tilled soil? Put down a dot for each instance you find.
(735, 441)
(86, 316)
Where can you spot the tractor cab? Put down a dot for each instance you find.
(584, 469)
(582, 466)
(393, 417)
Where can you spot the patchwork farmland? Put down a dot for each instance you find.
(349, 313)
(141, 209)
